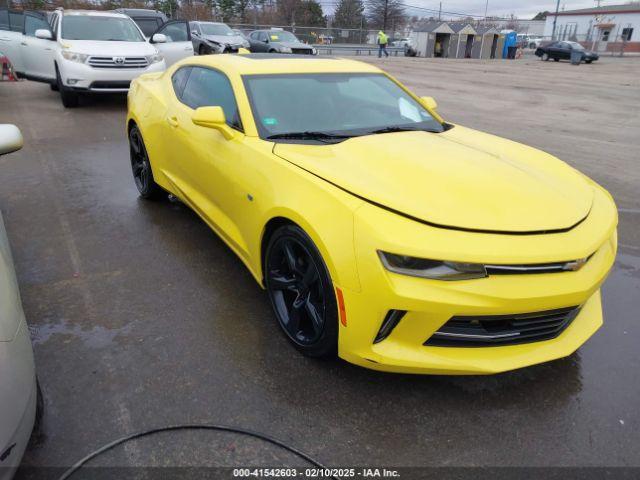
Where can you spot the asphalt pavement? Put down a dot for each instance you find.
(141, 317)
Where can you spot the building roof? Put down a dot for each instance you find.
(457, 27)
(433, 26)
(486, 30)
(605, 9)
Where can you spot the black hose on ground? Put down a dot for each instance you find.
(223, 428)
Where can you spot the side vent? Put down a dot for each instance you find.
(391, 320)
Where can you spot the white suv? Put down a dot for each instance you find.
(90, 51)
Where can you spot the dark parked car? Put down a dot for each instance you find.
(213, 37)
(148, 20)
(278, 41)
(562, 51)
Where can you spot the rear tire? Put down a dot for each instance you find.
(556, 59)
(301, 292)
(69, 98)
(588, 61)
(141, 167)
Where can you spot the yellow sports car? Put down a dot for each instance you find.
(380, 231)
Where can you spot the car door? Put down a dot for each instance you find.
(261, 44)
(208, 161)
(178, 44)
(37, 53)
(11, 26)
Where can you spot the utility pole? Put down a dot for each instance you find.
(486, 9)
(555, 19)
(440, 12)
(384, 17)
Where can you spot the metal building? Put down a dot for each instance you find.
(432, 39)
(461, 43)
(488, 43)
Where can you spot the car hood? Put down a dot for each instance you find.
(110, 49)
(225, 39)
(294, 44)
(460, 179)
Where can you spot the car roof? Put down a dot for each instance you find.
(141, 12)
(98, 13)
(209, 23)
(253, 63)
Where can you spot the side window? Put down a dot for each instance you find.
(253, 35)
(179, 79)
(176, 32)
(16, 21)
(4, 20)
(263, 36)
(209, 88)
(194, 28)
(31, 24)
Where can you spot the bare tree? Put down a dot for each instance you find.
(386, 14)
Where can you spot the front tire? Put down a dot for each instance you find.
(203, 50)
(141, 167)
(301, 292)
(70, 99)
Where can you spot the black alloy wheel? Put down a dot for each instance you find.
(301, 292)
(141, 167)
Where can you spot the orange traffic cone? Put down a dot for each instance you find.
(6, 70)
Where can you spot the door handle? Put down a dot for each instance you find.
(173, 121)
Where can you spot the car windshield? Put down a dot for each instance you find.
(283, 36)
(575, 46)
(216, 29)
(101, 28)
(343, 104)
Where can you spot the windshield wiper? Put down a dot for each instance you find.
(321, 136)
(396, 128)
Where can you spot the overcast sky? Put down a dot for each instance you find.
(521, 8)
(524, 9)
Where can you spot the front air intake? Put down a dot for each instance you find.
(391, 320)
(497, 330)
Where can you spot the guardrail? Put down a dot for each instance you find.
(357, 49)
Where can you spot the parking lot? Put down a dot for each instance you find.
(142, 317)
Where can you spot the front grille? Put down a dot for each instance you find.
(301, 51)
(111, 84)
(118, 62)
(497, 330)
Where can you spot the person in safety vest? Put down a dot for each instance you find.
(382, 44)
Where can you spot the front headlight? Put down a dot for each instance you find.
(284, 50)
(155, 58)
(434, 269)
(74, 57)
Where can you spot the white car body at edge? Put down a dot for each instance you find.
(18, 390)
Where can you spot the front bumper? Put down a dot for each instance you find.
(431, 303)
(102, 80)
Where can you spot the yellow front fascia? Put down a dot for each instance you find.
(431, 303)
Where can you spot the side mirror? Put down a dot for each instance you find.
(213, 117)
(10, 138)
(44, 34)
(429, 102)
(159, 38)
(266, 40)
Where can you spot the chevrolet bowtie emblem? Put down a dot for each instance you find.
(575, 265)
